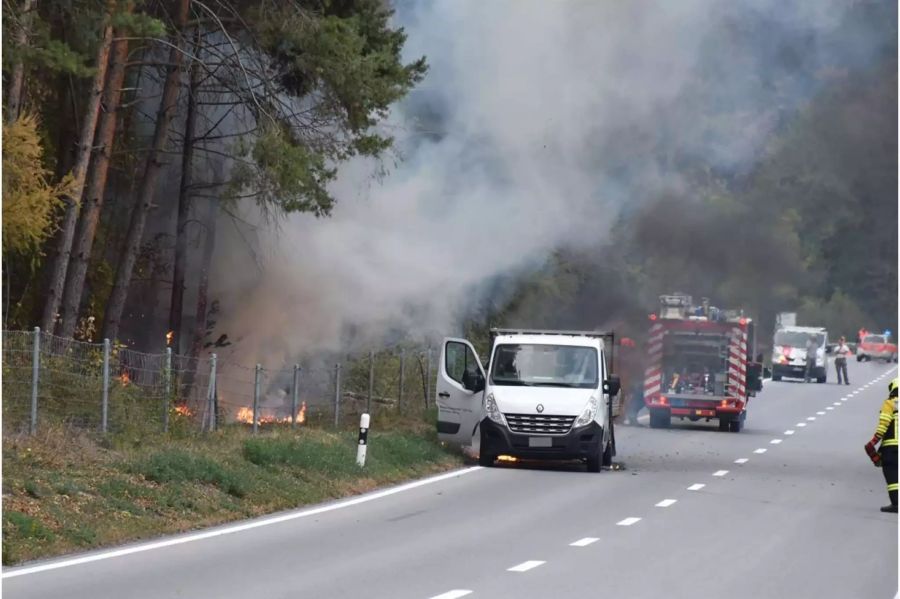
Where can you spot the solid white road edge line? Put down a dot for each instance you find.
(454, 594)
(584, 542)
(741, 461)
(628, 521)
(526, 566)
(225, 530)
(696, 487)
(666, 502)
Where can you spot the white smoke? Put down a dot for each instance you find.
(538, 122)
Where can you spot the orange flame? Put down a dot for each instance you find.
(124, 378)
(169, 336)
(245, 415)
(183, 410)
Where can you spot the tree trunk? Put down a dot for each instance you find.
(96, 187)
(85, 142)
(116, 305)
(184, 205)
(199, 332)
(17, 78)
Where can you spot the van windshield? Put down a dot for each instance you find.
(545, 365)
(796, 338)
(873, 339)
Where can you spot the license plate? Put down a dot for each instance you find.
(540, 442)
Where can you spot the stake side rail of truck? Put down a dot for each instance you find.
(700, 365)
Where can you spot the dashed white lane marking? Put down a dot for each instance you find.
(454, 594)
(720, 472)
(526, 566)
(760, 450)
(810, 418)
(584, 542)
(741, 461)
(775, 441)
(829, 408)
(789, 432)
(628, 521)
(696, 487)
(225, 530)
(837, 403)
(666, 502)
(820, 413)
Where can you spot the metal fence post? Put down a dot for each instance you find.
(168, 378)
(427, 377)
(256, 382)
(105, 409)
(402, 374)
(211, 392)
(35, 377)
(337, 395)
(371, 381)
(294, 396)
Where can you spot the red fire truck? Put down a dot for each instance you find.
(700, 364)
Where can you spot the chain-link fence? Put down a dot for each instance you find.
(104, 387)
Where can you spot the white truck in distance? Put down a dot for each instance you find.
(789, 353)
(546, 395)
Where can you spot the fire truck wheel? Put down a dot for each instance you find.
(776, 377)
(486, 460)
(724, 425)
(859, 357)
(735, 426)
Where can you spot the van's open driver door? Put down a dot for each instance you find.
(460, 386)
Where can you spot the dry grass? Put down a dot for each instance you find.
(65, 491)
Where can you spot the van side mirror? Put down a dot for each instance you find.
(473, 381)
(612, 385)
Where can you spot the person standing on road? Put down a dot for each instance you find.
(841, 353)
(886, 434)
(811, 348)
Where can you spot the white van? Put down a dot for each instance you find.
(547, 395)
(789, 353)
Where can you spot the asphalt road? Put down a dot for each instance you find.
(799, 518)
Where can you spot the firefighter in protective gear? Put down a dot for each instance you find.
(887, 435)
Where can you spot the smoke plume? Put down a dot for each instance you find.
(538, 125)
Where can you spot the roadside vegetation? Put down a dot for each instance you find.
(66, 491)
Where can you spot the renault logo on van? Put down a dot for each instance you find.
(540, 408)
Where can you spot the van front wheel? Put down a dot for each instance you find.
(486, 460)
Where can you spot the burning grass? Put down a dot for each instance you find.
(64, 492)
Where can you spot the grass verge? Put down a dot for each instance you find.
(65, 491)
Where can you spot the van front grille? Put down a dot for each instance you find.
(539, 424)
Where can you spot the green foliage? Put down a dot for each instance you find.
(343, 61)
(24, 526)
(182, 466)
(285, 175)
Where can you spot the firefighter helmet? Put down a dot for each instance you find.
(892, 386)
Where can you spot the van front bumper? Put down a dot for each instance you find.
(579, 443)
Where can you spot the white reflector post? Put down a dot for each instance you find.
(363, 440)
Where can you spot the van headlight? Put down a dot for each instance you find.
(493, 412)
(590, 411)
